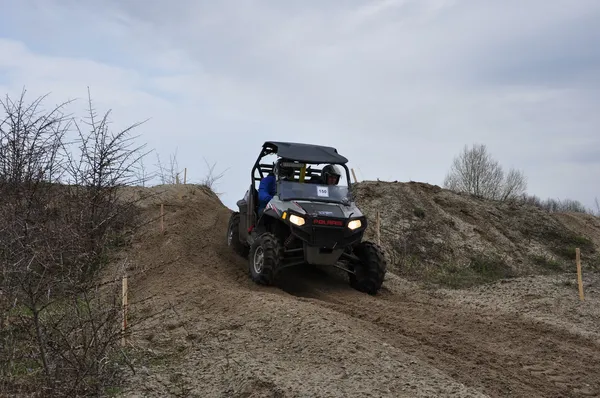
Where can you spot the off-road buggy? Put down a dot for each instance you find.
(305, 222)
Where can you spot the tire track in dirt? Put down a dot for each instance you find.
(499, 354)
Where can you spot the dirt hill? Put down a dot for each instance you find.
(201, 328)
(436, 234)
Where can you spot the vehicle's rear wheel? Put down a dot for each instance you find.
(265, 255)
(369, 273)
(233, 236)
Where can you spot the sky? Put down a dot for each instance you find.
(397, 86)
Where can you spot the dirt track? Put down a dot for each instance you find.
(222, 336)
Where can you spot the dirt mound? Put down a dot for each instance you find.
(426, 228)
(201, 328)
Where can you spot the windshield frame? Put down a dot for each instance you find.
(344, 198)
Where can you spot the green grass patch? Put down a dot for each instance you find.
(419, 212)
(565, 247)
(547, 263)
(481, 269)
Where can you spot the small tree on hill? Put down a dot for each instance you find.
(474, 171)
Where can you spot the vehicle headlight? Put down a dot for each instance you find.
(294, 219)
(354, 224)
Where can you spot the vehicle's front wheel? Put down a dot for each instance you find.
(233, 236)
(369, 272)
(265, 255)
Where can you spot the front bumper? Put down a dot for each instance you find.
(327, 232)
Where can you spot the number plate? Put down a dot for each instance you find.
(323, 192)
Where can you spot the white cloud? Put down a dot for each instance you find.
(399, 86)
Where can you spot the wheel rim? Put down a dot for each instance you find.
(259, 260)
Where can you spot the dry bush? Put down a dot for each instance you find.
(62, 221)
(210, 179)
(171, 174)
(557, 205)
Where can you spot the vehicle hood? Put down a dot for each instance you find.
(322, 209)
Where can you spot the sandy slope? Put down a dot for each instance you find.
(216, 334)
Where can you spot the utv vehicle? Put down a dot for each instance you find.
(306, 221)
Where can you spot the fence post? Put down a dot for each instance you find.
(124, 305)
(579, 277)
(378, 228)
(162, 217)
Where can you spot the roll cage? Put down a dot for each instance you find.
(302, 153)
(307, 154)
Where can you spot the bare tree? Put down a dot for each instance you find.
(514, 185)
(475, 172)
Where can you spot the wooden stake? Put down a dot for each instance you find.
(354, 175)
(124, 304)
(162, 217)
(579, 278)
(184, 175)
(378, 228)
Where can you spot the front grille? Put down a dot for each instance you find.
(327, 237)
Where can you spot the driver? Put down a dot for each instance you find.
(329, 176)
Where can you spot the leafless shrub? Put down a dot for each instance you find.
(475, 172)
(30, 143)
(171, 174)
(556, 205)
(62, 220)
(142, 175)
(168, 174)
(210, 179)
(107, 162)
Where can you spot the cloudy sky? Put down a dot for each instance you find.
(398, 86)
